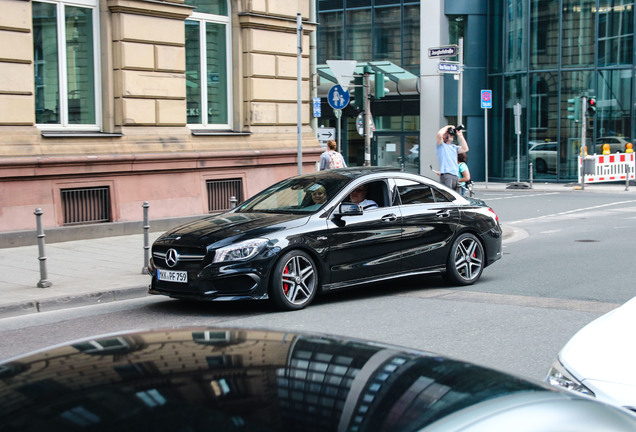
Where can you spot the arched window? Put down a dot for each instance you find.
(208, 60)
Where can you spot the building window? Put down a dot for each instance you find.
(65, 64)
(208, 57)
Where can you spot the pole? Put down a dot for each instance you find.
(144, 269)
(338, 114)
(43, 283)
(299, 80)
(486, 142)
(583, 143)
(517, 113)
(460, 84)
(367, 117)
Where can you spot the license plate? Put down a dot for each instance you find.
(172, 276)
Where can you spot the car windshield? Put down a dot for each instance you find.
(302, 194)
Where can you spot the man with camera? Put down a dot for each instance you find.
(447, 152)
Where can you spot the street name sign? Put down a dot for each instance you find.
(447, 67)
(444, 51)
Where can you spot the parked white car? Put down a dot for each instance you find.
(599, 359)
(543, 156)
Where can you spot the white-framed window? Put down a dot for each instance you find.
(66, 64)
(208, 65)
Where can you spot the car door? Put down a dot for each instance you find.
(429, 222)
(366, 246)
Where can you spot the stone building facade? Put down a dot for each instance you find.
(138, 144)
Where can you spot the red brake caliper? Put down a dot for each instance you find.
(285, 284)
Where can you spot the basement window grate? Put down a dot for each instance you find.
(86, 205)
(220, 193)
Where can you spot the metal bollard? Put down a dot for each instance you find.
(43, 283)
(531, 174)
(144, 269)
(233, 201)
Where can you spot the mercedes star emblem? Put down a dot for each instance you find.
(172, 257)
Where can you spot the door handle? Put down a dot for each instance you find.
(443, 213)
(389, 218)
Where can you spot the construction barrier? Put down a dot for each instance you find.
(609, 168)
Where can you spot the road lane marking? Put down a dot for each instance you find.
(515, 300)
(570, 212)
(499, 197)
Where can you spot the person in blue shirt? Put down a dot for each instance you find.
(447, 152)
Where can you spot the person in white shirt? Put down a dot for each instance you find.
(359, 196)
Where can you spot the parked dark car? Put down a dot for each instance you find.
(223, 379)
(282, 245)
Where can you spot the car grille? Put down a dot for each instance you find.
(184, 257)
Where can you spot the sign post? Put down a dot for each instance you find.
(517, 113)
(338, 99)
(453, 67)
(486, 104)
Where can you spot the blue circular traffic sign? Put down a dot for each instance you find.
(338, 98)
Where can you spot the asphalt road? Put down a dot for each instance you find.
(570, 261)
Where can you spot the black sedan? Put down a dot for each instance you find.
(318, 232)
(249, 380)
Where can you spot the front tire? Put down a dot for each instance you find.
(465, 261)
(294, 281)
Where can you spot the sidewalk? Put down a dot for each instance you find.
(84, 272)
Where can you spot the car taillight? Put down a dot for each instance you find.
(494, 214)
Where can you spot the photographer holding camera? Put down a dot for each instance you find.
(447, 152)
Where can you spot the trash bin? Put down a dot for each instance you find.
(589, 165)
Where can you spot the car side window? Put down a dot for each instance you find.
(442, 196)
(415, 193)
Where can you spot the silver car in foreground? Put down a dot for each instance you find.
(237, 379)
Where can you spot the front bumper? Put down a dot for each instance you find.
(242, 281)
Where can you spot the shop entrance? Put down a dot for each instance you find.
(397, 150)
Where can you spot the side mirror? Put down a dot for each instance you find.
(349, 209)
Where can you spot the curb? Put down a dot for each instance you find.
(71, 301)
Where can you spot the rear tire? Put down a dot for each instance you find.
(465, 261)
(294, 281)
(542, 166)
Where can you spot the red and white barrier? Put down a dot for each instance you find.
(612, 167)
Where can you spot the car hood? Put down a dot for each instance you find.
(602, 354)
(237, 379)
(229, 226)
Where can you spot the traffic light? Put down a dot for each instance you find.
(591, 107)
(574, 109)
(380, 90)
(358, 93)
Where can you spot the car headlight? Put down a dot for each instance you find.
(239, 251)
(560, 377)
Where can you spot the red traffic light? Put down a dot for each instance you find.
(591, 107)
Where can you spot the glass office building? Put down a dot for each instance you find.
(541, 55)
(368, 31)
